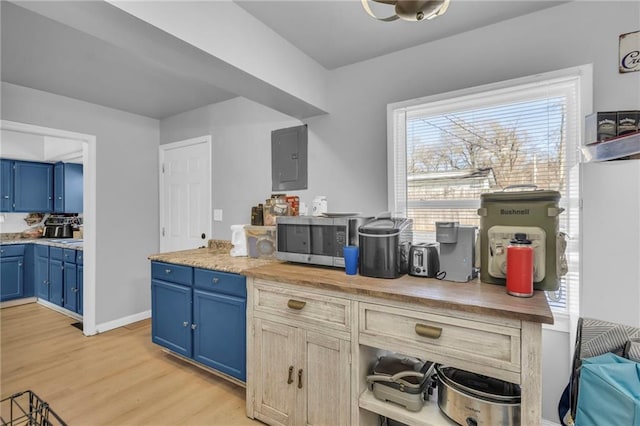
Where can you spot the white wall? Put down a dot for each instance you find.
(126, 186)
(241, 138)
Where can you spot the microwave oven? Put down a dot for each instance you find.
(315, 239)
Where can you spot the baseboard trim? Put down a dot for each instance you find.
(121, 322)
(60, 309)
(17, 302)
(546, 422)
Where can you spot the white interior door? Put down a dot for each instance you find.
(185, 194)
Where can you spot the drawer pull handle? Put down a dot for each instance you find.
(300, 379)
(428, 331)
(215, 280)
(296, 304)
(185, 324)
(194, 326)
(290, 379)
(167, 271)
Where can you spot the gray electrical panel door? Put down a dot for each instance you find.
(289, 158)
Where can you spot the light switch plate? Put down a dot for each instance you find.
(217, 215)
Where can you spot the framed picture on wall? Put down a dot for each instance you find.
(629, 48)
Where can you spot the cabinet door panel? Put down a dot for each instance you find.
(42, 277)
(56, 284)
(274, 348)
(6, 186)
(220, 332)
(171, 316)
(11, 277)
(70, 286)
(326, 378)
(80, 288)
(33, 183)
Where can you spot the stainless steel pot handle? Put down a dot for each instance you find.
(428, 331)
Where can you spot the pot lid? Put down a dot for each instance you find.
(385, 226)
(479, 385)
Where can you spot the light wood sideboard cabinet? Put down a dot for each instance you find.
(298, 356)
(314, 334)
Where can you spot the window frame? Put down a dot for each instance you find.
(565, 320)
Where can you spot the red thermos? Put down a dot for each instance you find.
(520, 267)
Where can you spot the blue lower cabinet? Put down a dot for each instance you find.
(171, 316)
(11, 278)
(12, 272)
(80, 288)
(41, 276)
(70, 299)
(200, 314)
(56, 281)
(219, 338)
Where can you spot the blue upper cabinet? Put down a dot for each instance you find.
(26, 186)
(6, 185)
(33, 187)
(68, 188)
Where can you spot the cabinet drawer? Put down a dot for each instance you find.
(316, 309)
(220, 282)
(79, 257)
(56, 253)
(10, 250)
(41, 251)
(441, 338)
(69, 255)
(173, 273)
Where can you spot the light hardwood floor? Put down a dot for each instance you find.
(114, 378)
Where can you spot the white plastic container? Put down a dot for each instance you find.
(239, 241)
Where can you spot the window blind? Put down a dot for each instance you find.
(448, 151)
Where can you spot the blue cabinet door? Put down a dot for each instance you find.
(70, 298)
(58, 188)
(11, 278)
(56, 284)
(6, 185)
(171, 316)
(80, 288)
(68, 188)
(219, 338)
(33, 187)
(41, 274)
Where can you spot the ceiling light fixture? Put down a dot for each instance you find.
(410, 10)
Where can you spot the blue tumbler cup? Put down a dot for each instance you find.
(350, 259)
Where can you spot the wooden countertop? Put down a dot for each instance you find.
(473, 297)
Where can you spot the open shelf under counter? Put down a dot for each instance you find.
(429, 415)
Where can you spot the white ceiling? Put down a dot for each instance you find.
(338, 33)
(44, 54)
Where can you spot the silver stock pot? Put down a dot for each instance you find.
(472, 399)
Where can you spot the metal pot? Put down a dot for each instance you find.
(472, 399)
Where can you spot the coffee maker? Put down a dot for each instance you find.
(457, 251)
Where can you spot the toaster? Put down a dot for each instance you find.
(424, 260)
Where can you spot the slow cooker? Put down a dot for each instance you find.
(472, 399)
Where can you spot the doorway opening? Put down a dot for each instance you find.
(89, 209)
